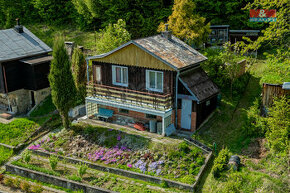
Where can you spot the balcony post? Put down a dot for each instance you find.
(163, 126)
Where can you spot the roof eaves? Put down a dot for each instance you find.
(136, 44)
(22, 57)
(185, 85)
(110, 52)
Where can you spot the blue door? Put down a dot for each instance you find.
(186, 106)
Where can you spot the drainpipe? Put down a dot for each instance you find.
(88, 74)
(176, 93)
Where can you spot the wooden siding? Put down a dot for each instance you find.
(132, 55)
(136, 78)
(130, 97)
(25, 76)
(270, 91)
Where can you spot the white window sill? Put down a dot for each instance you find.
(155, 90)
(120, 84)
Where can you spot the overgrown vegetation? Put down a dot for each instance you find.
(5, 154)
(220, 162)
(45, 108)
(17, 131)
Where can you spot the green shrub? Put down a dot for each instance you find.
(75, 178)
(220, 162)
(26, 156)
(200, 161)
(46, 107)
(188, 179)
(8, 181)
(5, 153)
(16, 182)
(184, 147)
(36, 189)
(82, 169)
(25, 186)
(53, 161)
(164, 184)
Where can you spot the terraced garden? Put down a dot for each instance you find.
(80, 173)
(176, 161)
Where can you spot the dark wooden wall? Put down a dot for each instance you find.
(20, 75)
(204, 111)
(136, 77)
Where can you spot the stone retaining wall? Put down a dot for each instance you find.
(202, 170)
(58, 181)
(122, 172)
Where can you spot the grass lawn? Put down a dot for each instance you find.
(17, 131)
(44, 109)
(227, 129)
(5, 154)
(47, 33)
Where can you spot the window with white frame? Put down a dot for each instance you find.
(120, 75)
(154, 80)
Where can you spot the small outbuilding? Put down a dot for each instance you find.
(24, 69)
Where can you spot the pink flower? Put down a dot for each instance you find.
(129, 165)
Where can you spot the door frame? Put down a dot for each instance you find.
(186, 111)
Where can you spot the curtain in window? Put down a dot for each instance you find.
(152, 79)
(118, 75)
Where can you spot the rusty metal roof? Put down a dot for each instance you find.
(173, 51)
(197, 81)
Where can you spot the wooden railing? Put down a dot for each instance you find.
(130, 97)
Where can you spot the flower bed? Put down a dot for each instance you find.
(91, 177)
(179, 162)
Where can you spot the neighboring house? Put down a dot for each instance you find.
(24, 67)
(157, 78)
(221, 34)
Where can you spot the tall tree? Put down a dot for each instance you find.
(277, 33)
(186, 24)
(112, 36)
(79, 73)
(61, 81)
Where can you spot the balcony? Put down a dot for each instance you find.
(129, 97)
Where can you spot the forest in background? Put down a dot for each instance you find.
(142, 17)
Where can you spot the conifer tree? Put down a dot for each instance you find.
(79, 73)
(61, 81)
(185, 24)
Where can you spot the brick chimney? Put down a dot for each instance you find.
(166, 34)
(69, 48)
(18, 27)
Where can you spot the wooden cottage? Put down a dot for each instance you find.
(24, 67)
(155, 82)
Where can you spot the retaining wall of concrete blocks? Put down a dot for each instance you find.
(58, 181)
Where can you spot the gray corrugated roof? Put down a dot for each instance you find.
(14, 45)
(173, 52)
(199, 83)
